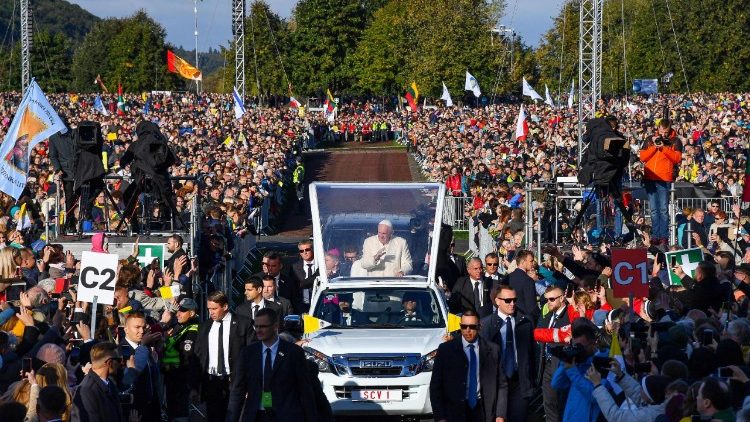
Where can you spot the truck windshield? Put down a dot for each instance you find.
(380, 308)
(382, 231)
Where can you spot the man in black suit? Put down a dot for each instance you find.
(146, 385)
(254, 300)
(524, 285)
(305, 271)
(472, 292)
(174, 246)
(514, 333)
(557, 317)
(468, 383)
(286, 283)
(269, 295)
(492, 265)
(218, 356)
(96, 399)
(349, 315)
(270, 380)
(458, 259)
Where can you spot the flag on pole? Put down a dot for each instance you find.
(547, 97)
(239, 105)
(312, 324)
(522, 128)
(176, 64)
(688, 259)
(446, 96)
(412, 96)
(169, 292)
(228, 141)
(529, 91)
(120, 101)
(454, 321)
(330, 103)
(472, 85)
(35, 121)
(99, 106)
(293, 103)
(571, 94)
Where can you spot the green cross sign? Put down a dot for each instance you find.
(147, 252)
(688, 259)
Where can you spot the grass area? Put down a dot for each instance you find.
(461, 235)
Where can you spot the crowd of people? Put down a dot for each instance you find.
(684, 348)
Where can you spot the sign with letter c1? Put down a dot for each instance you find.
(98, 277)
(629, 272)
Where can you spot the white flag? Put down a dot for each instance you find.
(446, 96)
(472, 85)
(547, 97)
(529, 91)
(522, 128)
(632, 107)
(572, 93)
(239, 105)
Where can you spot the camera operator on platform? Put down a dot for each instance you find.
(663, 153)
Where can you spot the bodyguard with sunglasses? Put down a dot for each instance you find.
(513, 332)
(305, 271)
(468, 383)
(556, 317)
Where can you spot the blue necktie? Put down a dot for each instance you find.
(509, 358)
(472, 377)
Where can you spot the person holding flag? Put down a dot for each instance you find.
(239, 104)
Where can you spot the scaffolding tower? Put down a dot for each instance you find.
(589, 64)
(238, 34)
(25, 45)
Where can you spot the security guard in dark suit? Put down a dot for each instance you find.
(180, 363)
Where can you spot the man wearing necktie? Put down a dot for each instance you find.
(513, 333)
(557, 317)
(305, 271)
(270, 380)
(254, 300)
(219, 344)
(472, 291)
(467, 382)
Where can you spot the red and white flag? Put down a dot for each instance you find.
(293, 103)
(522, 128)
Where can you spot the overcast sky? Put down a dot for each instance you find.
(532, 17)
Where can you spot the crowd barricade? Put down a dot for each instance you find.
(454, 212)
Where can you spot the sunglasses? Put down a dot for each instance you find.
(469, 326)
(492, 264)
(305, 250)
(508, 299)
(552, 299)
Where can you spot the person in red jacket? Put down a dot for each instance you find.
(659, 158)
(453, 183)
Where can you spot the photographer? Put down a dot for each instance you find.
(659, 158)
(576, 360)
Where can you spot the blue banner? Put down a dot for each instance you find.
(645, 86)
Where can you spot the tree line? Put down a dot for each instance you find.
(378, 47)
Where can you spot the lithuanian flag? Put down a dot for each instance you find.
(412, 96)
(330, 104)
(120, 101)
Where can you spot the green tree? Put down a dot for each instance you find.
(378, 62)
(324, 32)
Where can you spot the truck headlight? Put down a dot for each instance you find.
(427, 361)
(321, 361)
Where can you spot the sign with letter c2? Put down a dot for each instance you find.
(98, 277)
(630, 272)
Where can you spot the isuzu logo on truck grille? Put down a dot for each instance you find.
(375, 364)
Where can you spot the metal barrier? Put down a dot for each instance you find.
(454, 212)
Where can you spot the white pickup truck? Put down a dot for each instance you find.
(376, 356)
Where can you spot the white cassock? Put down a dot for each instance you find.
(397, 257)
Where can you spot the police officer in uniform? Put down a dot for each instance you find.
(180, 363)
(298, 177)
